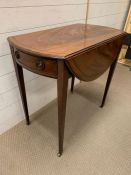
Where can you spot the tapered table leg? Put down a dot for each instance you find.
(21, 84)
(72, 83)
(110, 75)
(62, 85)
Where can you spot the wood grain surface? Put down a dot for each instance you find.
(64, 42)
(92, 64)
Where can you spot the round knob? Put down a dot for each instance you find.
(17, 54)
(40, 65)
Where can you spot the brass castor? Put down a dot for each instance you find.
(59, 155)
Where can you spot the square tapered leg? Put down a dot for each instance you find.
(62, 86)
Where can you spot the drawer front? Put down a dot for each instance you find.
(39, 65)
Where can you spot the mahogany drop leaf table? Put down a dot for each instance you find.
(80, 50)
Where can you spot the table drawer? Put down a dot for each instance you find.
(39, 65)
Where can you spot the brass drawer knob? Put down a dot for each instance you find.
(17, 54)
(40, 65)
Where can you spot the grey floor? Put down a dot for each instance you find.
(97, 141)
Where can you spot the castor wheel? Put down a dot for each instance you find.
(59, 154)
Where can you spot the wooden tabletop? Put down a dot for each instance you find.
(64, 42)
